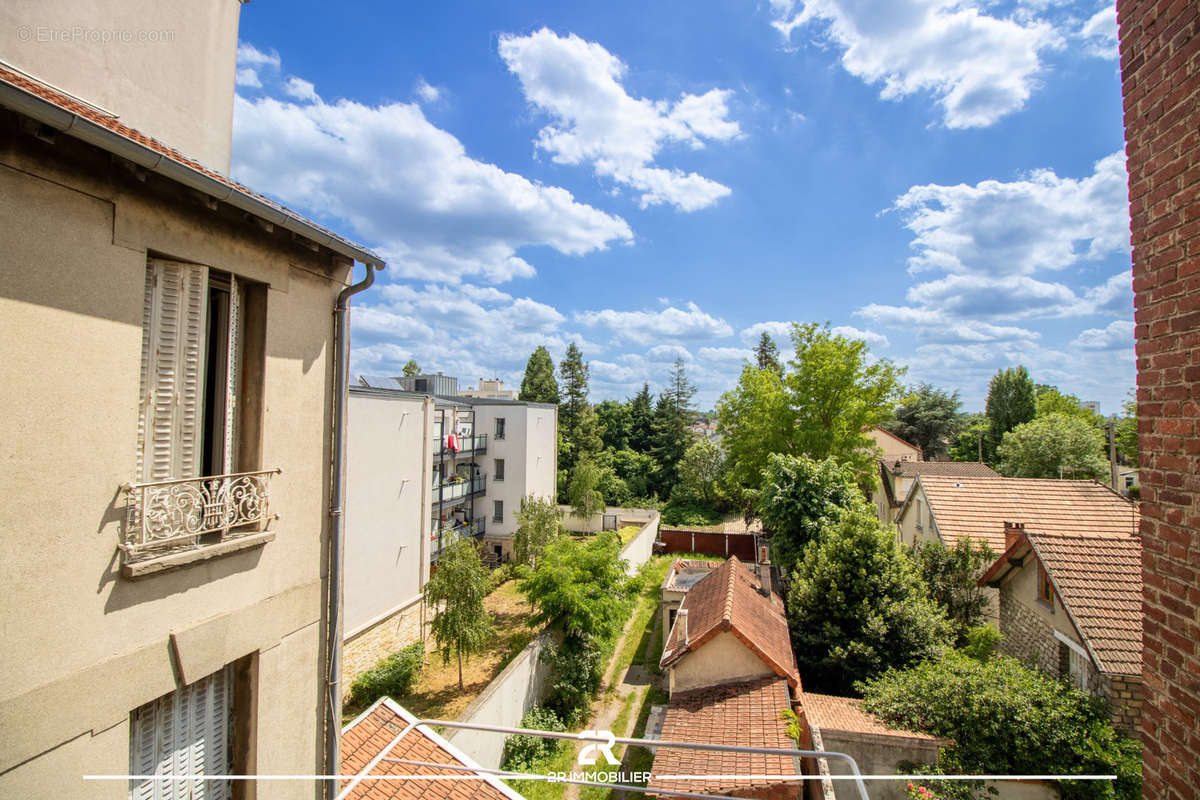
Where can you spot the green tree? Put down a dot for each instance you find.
(581, 432)
(637, 470)
(583, 492)
(951, 574)
(673, 417)
(1011, 401)
(856, 606)
(411, 369)
(539, 385)
(973, 439)
(538, 524)
(800, 499)
(615, 419)
(1127, 433)
(699, 471)
(927, 417)
(1054, 446)
(641, 420)
(455, 592)
(1050, 400)
(1004, 718)
(755, 420)
(838, 394)
(766, 354)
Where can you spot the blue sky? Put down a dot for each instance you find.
(942, 179)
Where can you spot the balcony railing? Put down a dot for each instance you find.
(450, 535)
(163, 515)
(467, 445)
(448, 491)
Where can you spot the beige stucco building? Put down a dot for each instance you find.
(168, 388)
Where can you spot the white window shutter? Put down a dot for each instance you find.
(184, 733)
(232, 375)
(172, 396)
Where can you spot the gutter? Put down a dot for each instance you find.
(333, 631)
(79, 127)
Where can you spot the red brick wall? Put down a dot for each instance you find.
(1160, 74)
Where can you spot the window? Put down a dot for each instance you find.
(498, 511)
(203, 335)
(1045, 587)
(499, 427)
(187, 732)
(499, 469)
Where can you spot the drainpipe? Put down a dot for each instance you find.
(333, 641)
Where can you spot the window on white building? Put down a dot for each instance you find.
(499, 427)
(497, 511)
(499, 469)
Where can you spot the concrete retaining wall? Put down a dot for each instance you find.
(637, 552)
(504, 702)
(595, 523)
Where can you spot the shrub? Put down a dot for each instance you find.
(677, 513)
(1007, 719)
(393, 676)
(524, 753)
(982, 642)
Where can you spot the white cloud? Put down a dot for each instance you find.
(780, 332)
(644, 327)
(409, 188)
(1118, 335)
(1099, 33)
(595, 120)
(1039, 222)
(251, 55)
(979, 67)
(301, 90)
(934, 325)
(1114, 296)
(248, 76)
(726, 355)
(427, 92)
(870, 337)
(667, 353)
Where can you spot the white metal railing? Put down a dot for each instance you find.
(178, 512)
(467, 445)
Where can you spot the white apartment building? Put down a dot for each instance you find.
(425, 468)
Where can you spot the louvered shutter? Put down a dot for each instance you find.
(232, 374)
(184, 733)
(172, 376)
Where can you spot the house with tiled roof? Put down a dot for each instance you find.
(1071, 604)
(731, 673)
(175, 373)
(897, 476)
(683, 574)
(381, 746)
(948, 508)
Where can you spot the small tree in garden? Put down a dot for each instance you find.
(951, 574)
(537, 525)
(583, 492)
(455, 592)
(800, 498)
(1053, 446)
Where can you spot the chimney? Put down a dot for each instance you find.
(681, 621)
(1012, 530)
(764, 572)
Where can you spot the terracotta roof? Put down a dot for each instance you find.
(979, 507)
(689, 566)
(832, 713)
(728, 599)
(30, 87)
(744, 714)
(1098, 580)
(966, 469)
(366, 738)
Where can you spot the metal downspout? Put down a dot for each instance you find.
(333, 641)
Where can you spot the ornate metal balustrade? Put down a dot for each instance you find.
(164, 515)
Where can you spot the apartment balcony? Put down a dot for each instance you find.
(467, 446)
(173, 522)
(450, 535)
(457, 490)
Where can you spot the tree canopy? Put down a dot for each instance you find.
(1053, 446)
(641, 420)
(539, 385)
(766, 354)
(699, 472)
(671, 428)
(856, 606)
(583, 490)
(927, 417)
(951, 575)
(410, 369)
(455, 593)
(579, 588)
(538, 524)
(801, 498)
(614, 418)
(1011, 401)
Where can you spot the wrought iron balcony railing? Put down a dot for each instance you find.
(448, 491)
(165, 515)
(467, 445)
